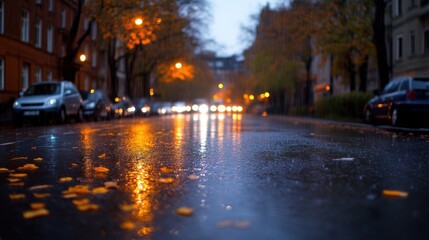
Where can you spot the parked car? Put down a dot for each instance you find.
(96, 105)
(403, 99)
(46, 101)
(123, 107)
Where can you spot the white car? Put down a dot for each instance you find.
(45, 101)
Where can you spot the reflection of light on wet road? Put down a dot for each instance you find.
(204, 122)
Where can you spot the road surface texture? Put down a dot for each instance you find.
(213, 177)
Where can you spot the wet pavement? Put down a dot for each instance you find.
(239, 177)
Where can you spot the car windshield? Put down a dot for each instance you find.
(421, 83)
(43, 89)
(92, 96)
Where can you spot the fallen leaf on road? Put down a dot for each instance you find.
(127, 207)
(242, 224)
(185, 211)
(166, 180)
(28, 167)
(38, 187)
(127, 225)
(166, 170)
(37, 205)
(88, 207)
(111, 185)
(14, 180)
(38, 159)
(18, 175)
(16, 184)
(74, 164)
(4, 170)
(102, 155)
(35, 213)
(17, 196)
(41, 195)
(395, 193)
(193, 177)
(70, 195)
(83, 201)
(78, 189)
(225, 223)
(101, 169)
(99, 190)
(19, 158)
(66, 179)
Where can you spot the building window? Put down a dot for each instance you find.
(399, 47)
(1, 74)
(1, 17)
(94, 31)
(38, 74)
(63, 18)
(94, 59)
(39, 33)
(25, 80)
(25, 30)
(50, 40)
(398, 8)
(412, 43)
(426, 41)
(50, 5)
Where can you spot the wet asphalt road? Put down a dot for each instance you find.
(244, 177)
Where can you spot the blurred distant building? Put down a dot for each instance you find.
(33, 37)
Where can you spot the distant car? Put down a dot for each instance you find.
(96, 105)
(46, 101)
(142, 107)
(403, 99)
(123, 107)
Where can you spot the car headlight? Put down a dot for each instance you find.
(91, 105)
(52, 101)
(16, 104)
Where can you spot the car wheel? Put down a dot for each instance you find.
(79, 115)
(62, 116)
(394, 118)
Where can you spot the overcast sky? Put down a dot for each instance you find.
(228, 17)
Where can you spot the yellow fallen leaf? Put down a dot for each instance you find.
(38, 159)
(35, 213)
(70, 195)
(37, 205)
(166, 170)
(99, 190)
(111, 185)
(39, 187)
(102, 155)
(101, 169)
(17, 196)
(185, 211)
(33, 148)
(193, 177)
(4, 170)
(242, 224)
(41, 195)
(66, 179)
(83, 201)
(74, 164)
(14, 180)
(225, 223)
(166, 180)
(127, 225)
(394, 193)
(16, 184)
(78, 189)
(19, 158)
(28, 167)
(88, 207)
(18, 175)
(127, 207)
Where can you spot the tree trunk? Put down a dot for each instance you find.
(331, 77)
(114, 85)
(309, 99)
(352, 73)
(380, 41)
(129, 71)
(363, 75)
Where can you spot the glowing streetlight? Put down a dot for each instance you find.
(178, 65)
(82, 57)
(138, 21)
(220, 85)
(267, 94)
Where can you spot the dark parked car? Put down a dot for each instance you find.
(123, 107)
(402, 100)
(96, 105)
(46, 101)
(142, 107)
